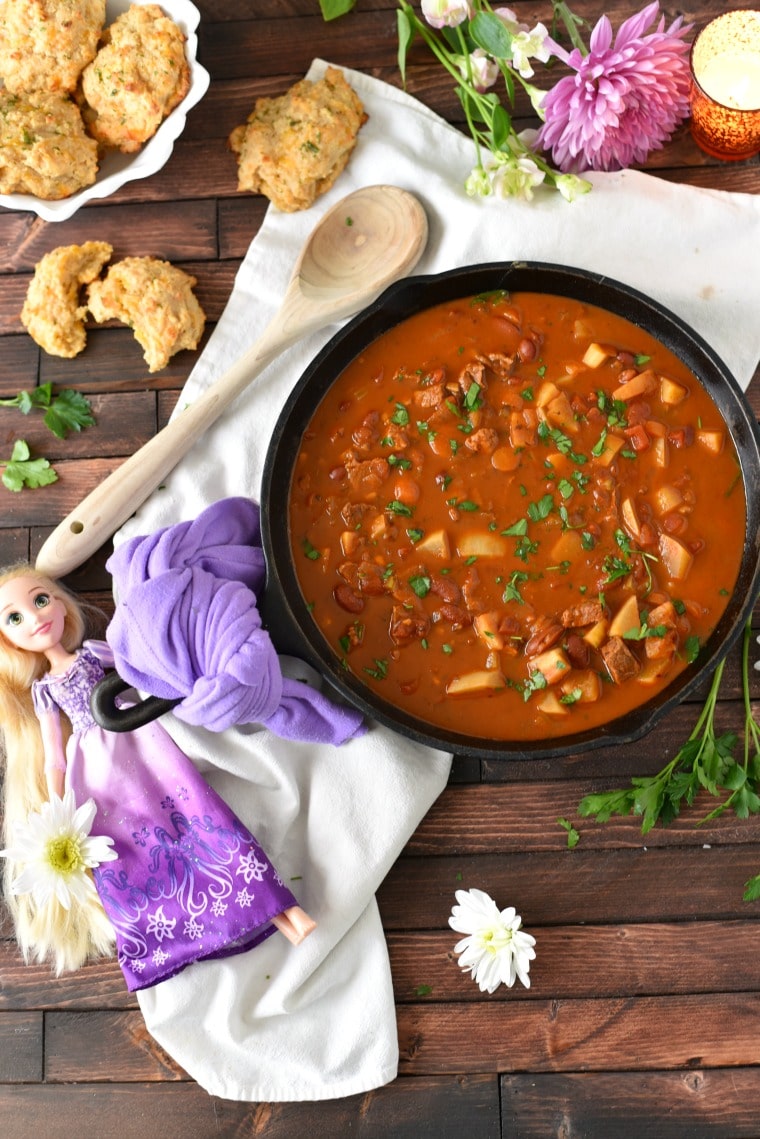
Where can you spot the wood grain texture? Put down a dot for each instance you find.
(21, 1043)
(405, 1109)
(633, 1105)
(613, 1034)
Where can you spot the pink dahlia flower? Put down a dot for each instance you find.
(624, 99)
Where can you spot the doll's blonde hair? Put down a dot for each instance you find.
(64, 937)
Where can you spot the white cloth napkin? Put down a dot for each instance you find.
(318, 1021)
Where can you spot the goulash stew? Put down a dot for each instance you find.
(517, 516)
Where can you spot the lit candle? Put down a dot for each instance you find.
(725, 97)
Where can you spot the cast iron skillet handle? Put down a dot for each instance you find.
(110, 716)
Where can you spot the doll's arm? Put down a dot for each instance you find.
(295, 923)
(55, 753)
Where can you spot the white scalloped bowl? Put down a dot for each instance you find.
(117, 168)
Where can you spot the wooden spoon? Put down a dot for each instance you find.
(368, 240)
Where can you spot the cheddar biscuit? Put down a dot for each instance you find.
(52, 313)
(156, 300)
(137, 78)
(43, 147)
(45, 44)
(293, 147)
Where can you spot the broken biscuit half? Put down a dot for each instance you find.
(52, 313)
(156, 300)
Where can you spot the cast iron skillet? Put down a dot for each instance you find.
(284, 609)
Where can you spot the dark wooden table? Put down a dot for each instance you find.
(643, 1019)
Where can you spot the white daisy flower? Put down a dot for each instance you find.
(55, 850)
(496, 950)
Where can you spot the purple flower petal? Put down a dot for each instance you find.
(625, 99)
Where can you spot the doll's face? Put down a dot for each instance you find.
(30, 617)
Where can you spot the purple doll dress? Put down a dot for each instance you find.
(190, 881)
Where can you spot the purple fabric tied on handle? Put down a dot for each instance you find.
(187, 627)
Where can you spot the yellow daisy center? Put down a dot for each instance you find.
(494, 939)
(64, 854)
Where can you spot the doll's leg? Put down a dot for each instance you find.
(295, 923)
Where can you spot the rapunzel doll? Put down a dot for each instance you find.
(189, 881)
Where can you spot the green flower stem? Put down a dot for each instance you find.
(483, 103)
(571, 23)
(751, 728)
(442, 55)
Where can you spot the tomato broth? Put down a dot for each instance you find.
(517, 516)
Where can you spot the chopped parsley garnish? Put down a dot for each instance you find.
(472, 399)
(396, 507)
(615, 568)
(571, 697)
(601, 443)
(623, 541)
(540, 509)
(512, 588)
(517, 530)
(615, 410)
(524, 548)
(420, 585)
(645, 631)
(562, 442)
(691, 649)
(535, 683)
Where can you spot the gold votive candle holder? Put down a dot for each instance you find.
(725, 86)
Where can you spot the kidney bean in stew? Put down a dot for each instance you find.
(517, 516)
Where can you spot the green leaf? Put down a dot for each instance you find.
(423, 990)
(69, 411)
(501, 127)
(21, 470)
(26, 400)
(488, 32)
(734, 776)
(752, 889)
(745, 803)
(573, 838)
(420, 584)
(648, 801)
(332, 9)
(691, 649)
(405, 30)
(604, 804)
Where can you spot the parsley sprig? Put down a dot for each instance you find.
(65, 411)
(22, 470)
(706, 762)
